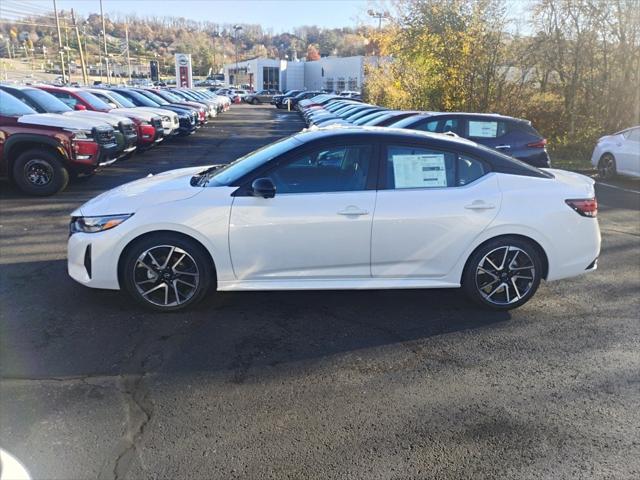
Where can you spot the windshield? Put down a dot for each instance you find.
(125, 102)
(139, 99)
(46, 101)
(174, 97)
(156, 98)
(12, 107)
(92, 100)
(405, 122)
(232, 172)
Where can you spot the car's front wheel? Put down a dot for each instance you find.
(503, 273)
(39, 172)
(607, 166)
(167, 272)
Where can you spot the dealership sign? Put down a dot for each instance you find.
(184, 77)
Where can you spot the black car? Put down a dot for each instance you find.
(511, 136)
(278, 100)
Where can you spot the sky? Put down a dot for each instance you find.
(278, 15)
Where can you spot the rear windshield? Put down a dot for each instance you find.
(12, 107)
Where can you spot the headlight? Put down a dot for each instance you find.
(82, 134)
(96, 224)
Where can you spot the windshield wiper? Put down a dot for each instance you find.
(200, 179)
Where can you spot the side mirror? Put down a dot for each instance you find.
(263, 187)
(79, 106)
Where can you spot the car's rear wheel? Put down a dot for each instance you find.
(167, 272)
(39, 172)
(607, 166)
(503, 274)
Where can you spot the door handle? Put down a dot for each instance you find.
(352, 210)
(479, 205)
(502, 147)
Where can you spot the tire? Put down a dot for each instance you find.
(145, 283)
(39, 172)
(255, 101)
(488, 272)
(607, 168)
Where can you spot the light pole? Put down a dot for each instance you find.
(379, 16)
(236, 29)
(215, 35)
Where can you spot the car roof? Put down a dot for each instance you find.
(315, 133)
(498, 161)
(495, 116)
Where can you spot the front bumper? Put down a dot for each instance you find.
(91, 261)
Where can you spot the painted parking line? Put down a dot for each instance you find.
(628, 190)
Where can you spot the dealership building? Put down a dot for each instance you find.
(331, 73)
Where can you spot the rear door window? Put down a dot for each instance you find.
(417, 167)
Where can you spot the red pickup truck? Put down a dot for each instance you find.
(40, 151)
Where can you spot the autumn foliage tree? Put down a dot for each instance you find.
(312, 53)
(575, 74)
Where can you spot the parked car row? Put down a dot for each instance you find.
(512, 136)
(49, 134)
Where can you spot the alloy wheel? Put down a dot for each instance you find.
(38, 172)
(166, 275)
(607, 167)
(505, 275)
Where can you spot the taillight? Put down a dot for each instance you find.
(539, 144)
(587, 207)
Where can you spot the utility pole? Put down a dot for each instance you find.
(236, 28)
(104, 37)
(85, 76)
(64, 75)
(126, 36)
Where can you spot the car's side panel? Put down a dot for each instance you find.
(421, 232)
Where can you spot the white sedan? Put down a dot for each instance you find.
(341, 208)
(618, 154)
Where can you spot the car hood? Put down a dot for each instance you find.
(133, 112)
(158, 111)
(112, 120)
(152, 190)
(57, 120)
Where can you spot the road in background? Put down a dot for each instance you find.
(367, 384)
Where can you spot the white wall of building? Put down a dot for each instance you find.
(336, 73)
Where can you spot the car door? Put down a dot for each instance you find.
(628, 152)
(431, 205)
(318, 224)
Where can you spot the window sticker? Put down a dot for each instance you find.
(419, 171)
(483, 129)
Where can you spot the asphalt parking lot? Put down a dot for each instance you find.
(319, 385)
